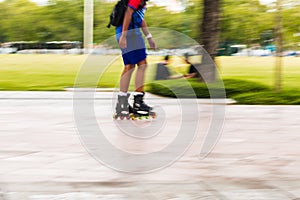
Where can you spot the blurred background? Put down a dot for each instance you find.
(243, 24)
(255, 44)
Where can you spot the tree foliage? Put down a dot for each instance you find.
(22, 20)
(242, 21)
(291, 24)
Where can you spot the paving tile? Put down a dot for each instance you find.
(42, 155)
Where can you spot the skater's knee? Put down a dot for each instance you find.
(142, 64)
(142, 67)
(128, 68)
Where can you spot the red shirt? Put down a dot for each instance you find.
(134, 4)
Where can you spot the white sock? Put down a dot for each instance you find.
(122, 93)
(137, 93)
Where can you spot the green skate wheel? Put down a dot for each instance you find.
(115, 116)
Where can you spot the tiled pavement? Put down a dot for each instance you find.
(42, 156)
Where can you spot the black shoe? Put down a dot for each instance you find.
(139, 106)
(123, 109)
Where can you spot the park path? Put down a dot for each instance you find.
(43, 158)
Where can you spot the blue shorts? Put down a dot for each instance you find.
(136, 49)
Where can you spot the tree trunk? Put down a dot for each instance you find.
(209, 36)
(279, 42)
(210, 26)
(88, 25)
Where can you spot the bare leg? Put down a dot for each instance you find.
(125, 78)
(139, 106)
(140, 76)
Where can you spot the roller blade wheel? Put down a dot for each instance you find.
(136, 116)
(117, 116)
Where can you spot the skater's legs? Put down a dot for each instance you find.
(125, 77)
(139, 104)
(140, 76)
(122, 106)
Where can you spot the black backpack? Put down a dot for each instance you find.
(117, 14)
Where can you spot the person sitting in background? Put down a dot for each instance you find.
(162, 71)
(193, 72)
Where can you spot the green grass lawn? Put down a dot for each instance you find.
(260, 70)
(56, 72)
(38, 72)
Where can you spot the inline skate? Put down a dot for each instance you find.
(123, 109)
(140, 110)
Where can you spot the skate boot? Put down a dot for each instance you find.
(140, 109)
(123, 109)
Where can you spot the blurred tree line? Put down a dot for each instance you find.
(241, 21)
